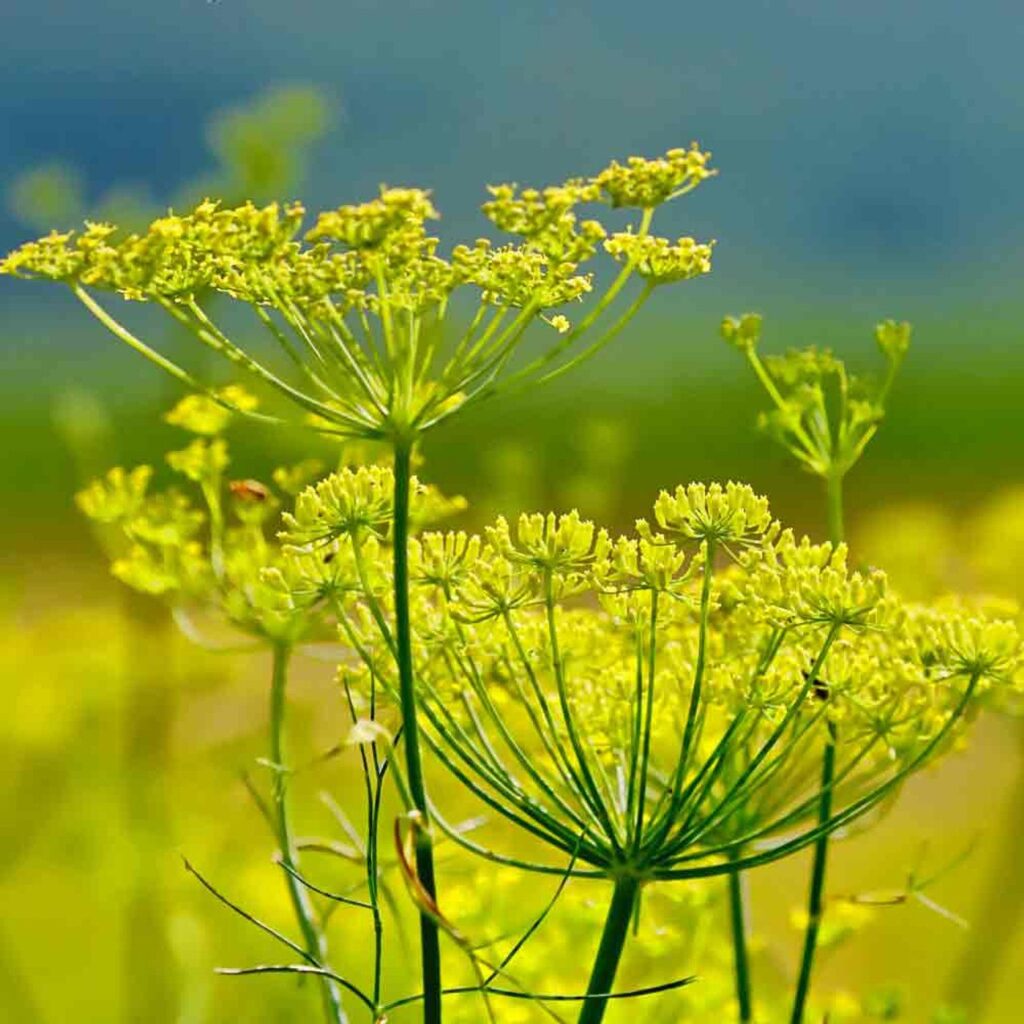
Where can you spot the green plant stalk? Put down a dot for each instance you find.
(311, 935)
(834, 499)
(815, 899)
(741, 963)
(609, 952)
(430, 946)
(819, 864)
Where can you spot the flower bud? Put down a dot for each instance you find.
(743, 332)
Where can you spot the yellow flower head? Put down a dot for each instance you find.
(648, 183)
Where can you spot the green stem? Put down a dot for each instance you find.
(815, 899)
(739, 942)
(605, 338)
(834, 497)
(429, 938)
(613, 938)
(312, 938)
(834, 500)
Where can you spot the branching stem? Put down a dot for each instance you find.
(429, 938)
(834, 497)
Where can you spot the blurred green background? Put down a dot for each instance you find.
(870, 162)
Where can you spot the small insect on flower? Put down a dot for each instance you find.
(249, 490)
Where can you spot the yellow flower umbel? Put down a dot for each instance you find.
(822, 415)
(233, 560)
(654, 716)
(361, 309)
(359, 304)
(825, 417)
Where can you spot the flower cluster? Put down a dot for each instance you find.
(355, 304)
(210, 415)
(803, 583)
(546, 218)
(729, 514)
(231, 554)
(822, 414)
(519, 277)
(633, 702)
(177, 256)
(647, 183)
(657, 260)
(359, 503)
(397, 216)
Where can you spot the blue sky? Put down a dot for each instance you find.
(872, 154)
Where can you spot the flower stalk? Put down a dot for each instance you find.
(825, 417)
(429, 935)
(834, 502)
(738, 931)
(819, 857)
(621, 909)
(312, 937)
(816, 894)
(359, 308)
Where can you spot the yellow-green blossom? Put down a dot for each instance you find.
(203, 414)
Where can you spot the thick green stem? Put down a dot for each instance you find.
(312, 937)
(741, 963)
(429, 938)
(815, 899)
(613, 938)
(834, 496)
